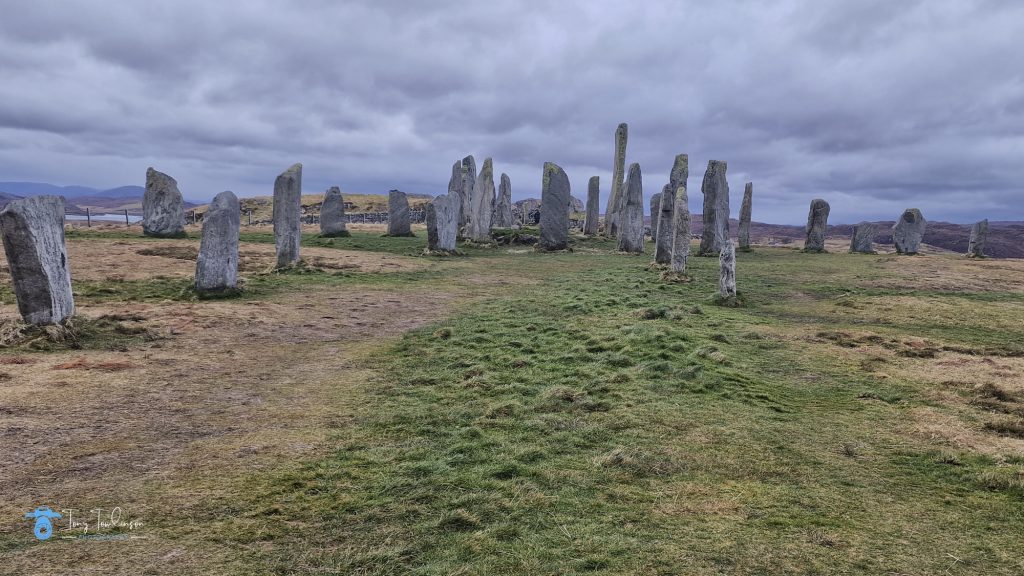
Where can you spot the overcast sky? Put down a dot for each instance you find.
(873, 105)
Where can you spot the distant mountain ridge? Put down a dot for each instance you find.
(41, 189)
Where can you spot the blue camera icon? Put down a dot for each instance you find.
(43, 528)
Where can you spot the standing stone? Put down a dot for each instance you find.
(332, 214)
(467, 173)
(503, 212)
(163, 214)
(611, 212)
(287, 214)
(33, 232)
(482, 204)
(716, 209)
(745, 208)
(398, 214)
(443, 223)
(455, 185)
(217, 265)
(590, 221)
(681, 227)
(655, 206)
(979, 235)
(631, 217)
(817, 224)
(727, 271)
(555, 201)
(666, 213)
(430, 219)
(863, 236)
(908, 231)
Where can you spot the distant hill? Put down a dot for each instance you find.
(81, 197)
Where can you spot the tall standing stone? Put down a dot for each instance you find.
(467, 173)
(217, 265)
(863, 237)
(727, 271)
(979, 235)
(443, 223)
(590, 220)
(666, 213)
(503, 211)
(655, 206)
(611, 212)
(745, 209)
(287, 215)
(430, 219)
(482, 204)
(332, 214)
(163, 214)
(33, 233)
(908, 231)
(680, 228)
(715, 188)
(398, 214)
(555, 202)
(455, 185)
(817, 225)
(631, 216)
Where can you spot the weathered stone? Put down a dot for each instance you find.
(655, 206)
(745, 208)
(614, 207)
(467, 173)
(590, 221)
(217, 265)
(979, 235)
(455, 185)
(680, 227)
(287, 214)
(716, 209)
(443, 223)
(503, 211)
(631, 216)
(727, 271)
(33, 233)
(817, 225)
(332, 214)
(482, 204)
(430, 219)
(163, 214)
(398, 214)
(554, 209)
(908, 231)
(663, 245)
(863, 237)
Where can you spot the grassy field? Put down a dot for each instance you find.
(509, 412)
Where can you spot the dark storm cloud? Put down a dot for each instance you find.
(874, 105)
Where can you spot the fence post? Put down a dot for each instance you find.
(88, 219)
(126, 223)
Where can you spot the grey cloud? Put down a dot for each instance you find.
(875, 105)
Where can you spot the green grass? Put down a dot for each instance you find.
(595, 419)
(611, 423)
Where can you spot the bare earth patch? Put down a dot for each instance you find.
(163, 429)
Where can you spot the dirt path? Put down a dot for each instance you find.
(162, 429)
